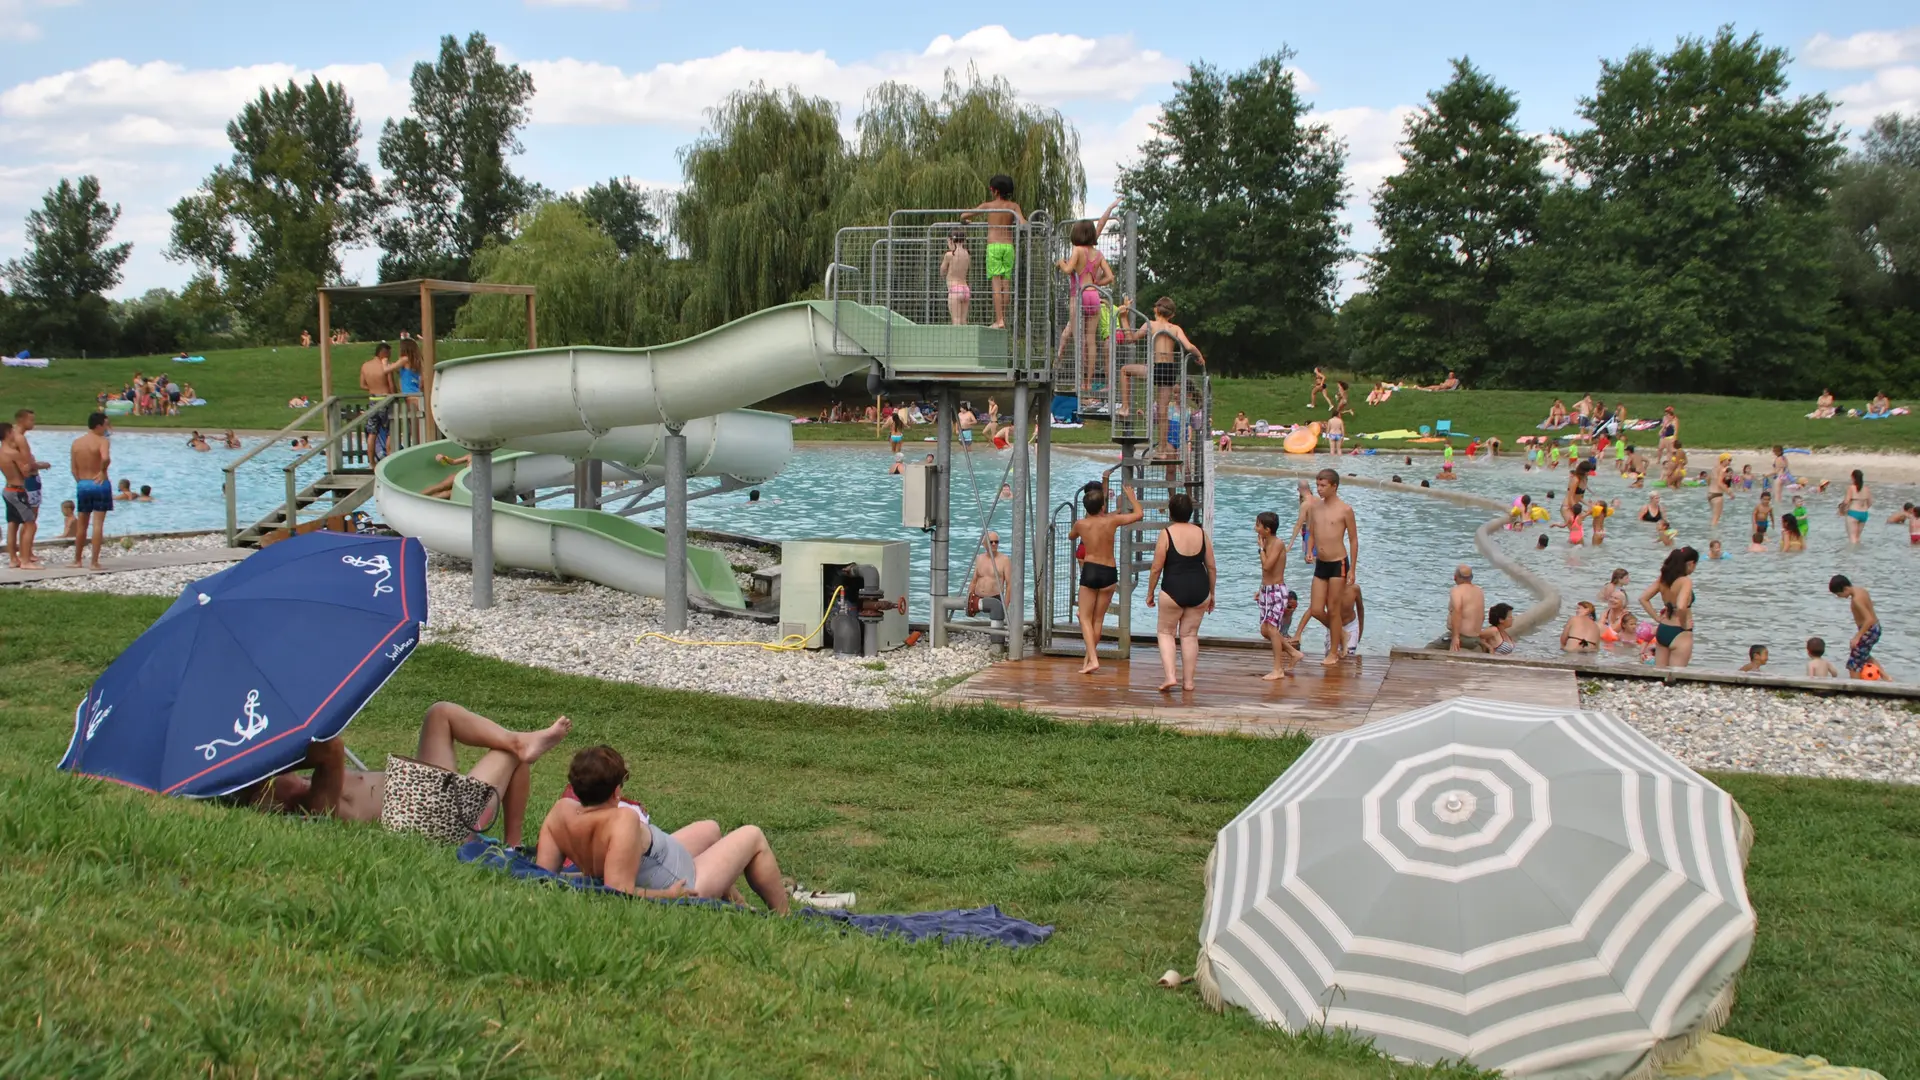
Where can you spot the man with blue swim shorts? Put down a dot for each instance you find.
(92, 493)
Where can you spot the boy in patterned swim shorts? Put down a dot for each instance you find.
(1275, 600)
(1860, 662)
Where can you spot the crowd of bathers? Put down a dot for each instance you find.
(150, 395)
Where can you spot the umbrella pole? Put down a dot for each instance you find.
(480, 485)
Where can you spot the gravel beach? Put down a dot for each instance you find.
(587, 629)
(1744, 729)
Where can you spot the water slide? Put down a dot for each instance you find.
(543, 409)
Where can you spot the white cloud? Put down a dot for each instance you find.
(1893, 89)
(1048, 68)
(1867, 49)
(15, 23)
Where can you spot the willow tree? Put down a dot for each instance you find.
(916, 150)
(589, 293)
(756, 216)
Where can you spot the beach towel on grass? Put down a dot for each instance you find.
(985, 924)
(1717, 1057)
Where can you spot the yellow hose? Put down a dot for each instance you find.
(790, 643)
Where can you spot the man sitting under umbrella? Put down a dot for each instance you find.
(353, 795)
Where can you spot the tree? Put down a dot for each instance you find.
(1689, 248)
(1450, 221)
(1876, 255)
(269, 225)
(590, 293)
(450, 183)
(914, 150)
(771, 182)
(68, 265)
(1239, 196)
(622, 210)
(757, 213)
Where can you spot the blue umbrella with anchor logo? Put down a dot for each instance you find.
(251, 665)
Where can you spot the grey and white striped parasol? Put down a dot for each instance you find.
(1540, 891)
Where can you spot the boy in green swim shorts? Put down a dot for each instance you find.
(1002, 214)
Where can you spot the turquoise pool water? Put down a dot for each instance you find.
(1748, 598)
(1409, 545)
(186, 483)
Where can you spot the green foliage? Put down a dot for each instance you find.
(1688, 251)
(756, 214)
(1876, 256)
(589, 293)
(1239, 195)
(1450, 221)
(69, 263)
(269, 225)
(622, 210)
(450, 183)
(914, 150)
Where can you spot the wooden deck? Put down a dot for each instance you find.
(1229, 697)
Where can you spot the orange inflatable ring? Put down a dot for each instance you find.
(1303, 440)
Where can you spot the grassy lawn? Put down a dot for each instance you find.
(249, 388)
(149, 939)
(1705, 421)
(244, 388)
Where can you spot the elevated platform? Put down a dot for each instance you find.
(909, 348)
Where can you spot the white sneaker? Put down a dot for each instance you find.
(802, 895)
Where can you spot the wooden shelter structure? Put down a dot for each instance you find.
(426, 289)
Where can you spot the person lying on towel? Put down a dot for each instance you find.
(615, 841)
(352, 795)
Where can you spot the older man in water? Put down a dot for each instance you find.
(987, 591)
(1466, 610)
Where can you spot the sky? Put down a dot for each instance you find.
(139, 93)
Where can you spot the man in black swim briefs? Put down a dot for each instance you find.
(1098, 575)
(1331, 527)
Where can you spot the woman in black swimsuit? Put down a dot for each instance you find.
(1673, 632)
(1181, 586)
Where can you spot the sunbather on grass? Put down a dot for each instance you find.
(353, 795)
(615, 841)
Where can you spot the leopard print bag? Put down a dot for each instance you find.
(430, 800)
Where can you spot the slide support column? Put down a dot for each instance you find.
(937, 570)
(1017, 587)
(676, 530)
(1043, 520)
(480, 483)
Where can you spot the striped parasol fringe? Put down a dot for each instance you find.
(1202, 967)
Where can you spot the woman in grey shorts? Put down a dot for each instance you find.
(613, 839)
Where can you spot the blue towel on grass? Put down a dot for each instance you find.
(985, 924)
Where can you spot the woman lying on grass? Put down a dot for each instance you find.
(615, 841)
(352, 795)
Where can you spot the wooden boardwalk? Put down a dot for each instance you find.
(1229, 697)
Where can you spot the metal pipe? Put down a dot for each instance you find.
(594, 484)
(676, 530)
(942, 499)
(1017, 585)
(1042, 538)
(480, 485)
